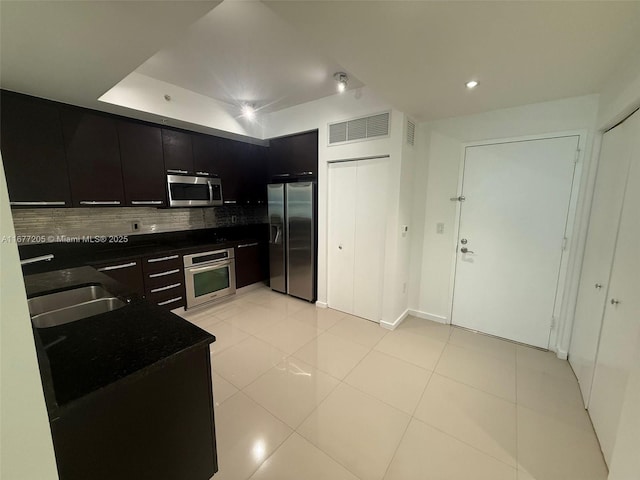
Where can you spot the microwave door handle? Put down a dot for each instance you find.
(210, 191)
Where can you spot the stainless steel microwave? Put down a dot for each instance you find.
(189, 191)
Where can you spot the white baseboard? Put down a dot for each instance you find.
(320, 304)
(393, 325)
(429, 316)
(562, 355)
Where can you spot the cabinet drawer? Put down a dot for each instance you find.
(169, 299)
(163, 278)
(161, 263)
(163, 290)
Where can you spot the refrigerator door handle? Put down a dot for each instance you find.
(276, 234)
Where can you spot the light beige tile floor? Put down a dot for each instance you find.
(307, 393)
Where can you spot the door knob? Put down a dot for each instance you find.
(614, 301)
(598, 286)
(466, 250)
(463, 241)
(339, 247)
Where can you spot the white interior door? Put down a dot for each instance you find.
(620, 336)
(341, 235)
(613, 167)
(513, 221)
(357, 225)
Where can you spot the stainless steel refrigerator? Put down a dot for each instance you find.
(292, 241)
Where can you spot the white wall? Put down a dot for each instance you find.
(27, 448)
(351, 104)
(443, 149)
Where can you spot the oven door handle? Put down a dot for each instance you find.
(209, 267)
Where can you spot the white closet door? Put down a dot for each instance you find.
(613, 167)
(621, 324)
(341, 235)
(370, 235)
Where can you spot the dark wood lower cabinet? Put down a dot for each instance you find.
(251, 263)
(159, 424)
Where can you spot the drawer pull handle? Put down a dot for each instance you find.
(36, 204)
(117, 267)
(203, 173)
(168, 287)
(146, 202)
(162, 259)
(106, 202)
(173, 170)
(255, 244)
(229, 202)
(167, 302)
(162, 274)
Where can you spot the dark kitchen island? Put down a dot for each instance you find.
(129, 391)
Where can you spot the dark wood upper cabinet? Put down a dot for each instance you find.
(93, 158)
(294, 156)
(255, 178)
(142, 164)
(178, 152)
(33, 152)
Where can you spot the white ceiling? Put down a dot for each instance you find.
(242, 52)
(417, 55)
(74, 51)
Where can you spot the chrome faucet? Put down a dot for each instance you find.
(42, 258)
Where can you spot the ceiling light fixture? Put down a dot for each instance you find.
(249, 111)
(342, 80)
(471, 84)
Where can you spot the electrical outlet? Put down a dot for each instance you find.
(135, 225)
(440, 228)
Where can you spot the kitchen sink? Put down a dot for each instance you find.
(70, 305)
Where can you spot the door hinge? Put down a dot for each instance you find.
(577, 157)
(564, 243)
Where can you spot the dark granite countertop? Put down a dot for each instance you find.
(69, 255)
(84, 357)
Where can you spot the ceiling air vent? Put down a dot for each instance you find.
(358, 129)
(411, 132)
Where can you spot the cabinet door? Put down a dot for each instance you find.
(93, 157)
(294, 156)
(613, 166)
(142, 164)
(220, 157)
(621, 324)
(33, 152)
(127, 272)
(178, 152)
(254, 177)
(250, 261)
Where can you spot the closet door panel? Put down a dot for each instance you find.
(341, 235)
(621, 324)
(370, 235)
(613, 166)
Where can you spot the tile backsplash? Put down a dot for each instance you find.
(70, 222)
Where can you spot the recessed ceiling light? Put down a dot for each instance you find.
(471, 84)
(248, 111)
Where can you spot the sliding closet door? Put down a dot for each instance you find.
(620, 337)
(341, 235)
(613, 166)
(357, 226)
(371, 228)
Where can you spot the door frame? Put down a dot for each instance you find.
(571, 260)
